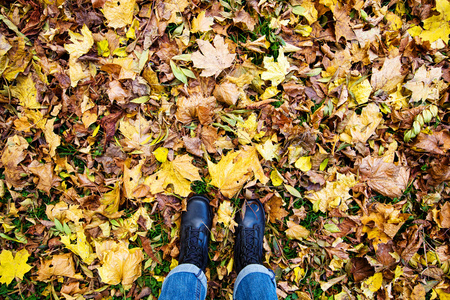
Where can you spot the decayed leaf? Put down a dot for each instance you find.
(213, 59)
(59, 265)
(389, 76)
(119, 264)
(234, 169)
(196, 106)
(360, 128)
(179, 173)
(296, 231)
(335, 194)
(437, 142)
(226, 215)
(387, 179)
(275, 71)
(119, 13)
(26, 92)
(13, 267)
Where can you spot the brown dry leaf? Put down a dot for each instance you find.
(213, 59)
(117, 93)
(244, 20)
(387, 179)
(47, 178)
(418, 292)
(443, 217)
(196, 106)
(178, 173)
(343, 29)
(131, 176)
(193, 145)
(275, 210)
(389, 76)
(437, 142)
(227, 92)
(59, 265)
(119, 264)
(234, 169)
(13, 153)
(361, 269)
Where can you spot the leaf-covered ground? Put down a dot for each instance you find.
(333, 113)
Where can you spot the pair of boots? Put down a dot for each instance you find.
(195, 232)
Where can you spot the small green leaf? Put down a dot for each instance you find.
(299, 10)
(324, 164)
(67, 230)
(140, 100)
(58, 225)
(314, 72)
(178, 73)
(188, 73)
(292, 191)
(331, 228)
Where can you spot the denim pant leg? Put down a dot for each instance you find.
(185, 282)
(255, 282)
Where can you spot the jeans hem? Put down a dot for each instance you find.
(253, 268)
(190, 268)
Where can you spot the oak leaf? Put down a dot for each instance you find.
(234, 169)
(179, 173)
(13, 267)
(212, 59)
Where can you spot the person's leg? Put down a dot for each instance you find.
(185, 282)
(255, 282)
(188, 281)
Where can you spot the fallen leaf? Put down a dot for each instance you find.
(59, 265)
(360, 128)
(52, 138)
(303, 163)
(213, 59)
(275, 210)
(389, 76)
(13, 267)
(119, 13)
(202, 23)
(178, 173)
(196, 106)
(423, 85)
(81, 247)
(244, 20)
(47, 178)
(268, 150)
(387, 179)
(26, 92)
(226, 215)
(372, 284)
(120, 265)
(275, 71)
(435, 142)
(296, 231)
(234, 169)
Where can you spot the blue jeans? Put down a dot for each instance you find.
(188, 282)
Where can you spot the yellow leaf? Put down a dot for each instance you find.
(275, 71)
(296, 231)
(103, 48)
(52, 138)
(81, 248)
(268, 150)
(81, 43)
(436, 27)
(202, 23)
(111, 200)
(131, 33)
(360, 128)
(309, 11)
(270, 92)
(234, 169)
(247, 130)
(161, 154)
(26, 92)
(173, 264)
(276, 177)
(13, 267)
(120, 264)
(303, 163)
(59, 265)
(131, 177)
(119, 13)
(374, 282)
(334, 194)
(226, 215)
(423, 85)
(179, 173)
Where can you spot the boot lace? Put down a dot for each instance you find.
(249, 250)
(194, 249)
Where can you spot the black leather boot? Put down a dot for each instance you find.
(195, 231)
(249, 235)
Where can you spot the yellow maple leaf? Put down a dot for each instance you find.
(334, 194)
(13, 267)
(234, 169)
(360, 128)
(202, 23)
(226, 215)
(119, 13)
(275, 71)
(268, 150)
(179, 173)
(307, 10)
(372, 284)
(81, 248)
(119, 264)
(26, 92)
(111, 200)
